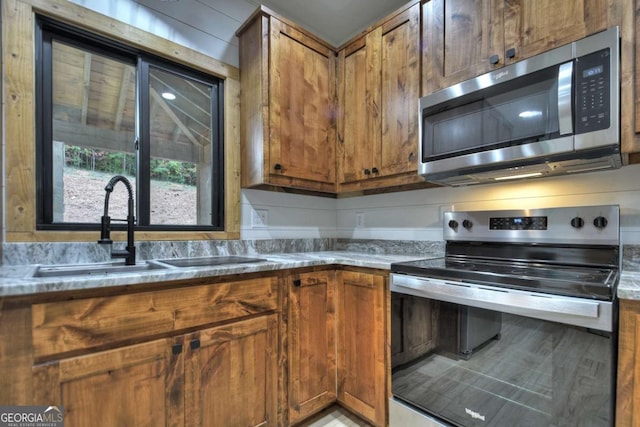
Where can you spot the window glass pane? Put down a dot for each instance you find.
(181, 163)
(93, 115)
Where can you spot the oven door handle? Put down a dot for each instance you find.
(543, 306)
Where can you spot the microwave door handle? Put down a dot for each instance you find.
(565, 82)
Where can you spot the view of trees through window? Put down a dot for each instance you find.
(125, 164)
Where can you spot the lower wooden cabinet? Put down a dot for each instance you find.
(311, 343)
(231, 374)
(362, 340)
(221, 376)
(137, 385)
(628, 386)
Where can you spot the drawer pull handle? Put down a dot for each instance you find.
(176, 349)
(195, 344)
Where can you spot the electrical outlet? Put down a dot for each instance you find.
(359, 219)
(260, 218)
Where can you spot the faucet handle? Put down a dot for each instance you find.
(105, 231)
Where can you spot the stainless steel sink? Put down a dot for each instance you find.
(98, 269)
(209, 261)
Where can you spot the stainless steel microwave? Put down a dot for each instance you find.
(554, 113)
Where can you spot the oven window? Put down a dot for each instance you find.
(516, 112)
(481, 367)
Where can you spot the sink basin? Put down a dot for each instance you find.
(100, 269)
(209, 261)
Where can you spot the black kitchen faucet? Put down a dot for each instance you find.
(129, 253)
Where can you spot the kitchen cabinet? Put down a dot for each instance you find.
(203, 379)
(362, 342)
(183, 356)
(287, 101)
(463, 39)
(311, 342)
(628, 387)
(231, 374)
(379, 75)
(134, 385)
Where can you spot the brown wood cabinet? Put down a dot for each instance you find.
(362, 358)
(628, 387)
(463, 39)
(185, 355)
(287, 112)
(134, 385)
(231, 374)
(378, 78)
(311, 343)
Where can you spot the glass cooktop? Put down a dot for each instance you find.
(584, 282)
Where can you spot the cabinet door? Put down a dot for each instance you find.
(137, 385)
(362, 379)
(301, 100)
(311, 343)
(628, 387)
(535, 26)
(359, 128)
(399, 92)
(459, 38)
(230, 374)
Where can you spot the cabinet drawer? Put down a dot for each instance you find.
(61, 327)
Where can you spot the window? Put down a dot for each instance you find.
(107, 110)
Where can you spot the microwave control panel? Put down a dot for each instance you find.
(593, 106)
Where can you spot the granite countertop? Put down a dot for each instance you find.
(629, 285)
(18, 280)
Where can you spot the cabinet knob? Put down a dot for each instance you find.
(297, 282)
(494, 59)
(277, 166)
(367, 172)
(375, 170)
(176, 349)
(194, 344)
(511, 53)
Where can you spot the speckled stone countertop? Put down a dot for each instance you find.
(629, 285)
(17, 280)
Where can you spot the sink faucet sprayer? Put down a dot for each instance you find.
(129, 253)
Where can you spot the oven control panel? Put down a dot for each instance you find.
(518, 223)
(573, 225)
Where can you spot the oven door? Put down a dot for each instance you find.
(476, 356)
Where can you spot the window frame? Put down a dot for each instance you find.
(48, 30)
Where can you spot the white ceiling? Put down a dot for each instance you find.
(335, 21)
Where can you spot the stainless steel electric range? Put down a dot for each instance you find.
(516, 325)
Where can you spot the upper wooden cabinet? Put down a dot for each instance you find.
(287, 106)
(378, 80)
(463, 39)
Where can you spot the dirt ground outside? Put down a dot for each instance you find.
(84, 196)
